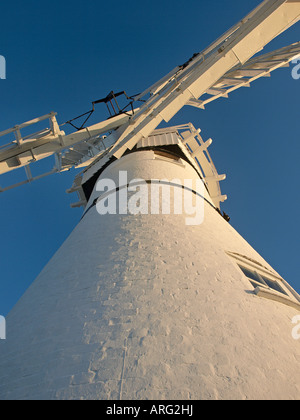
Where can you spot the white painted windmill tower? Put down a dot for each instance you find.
(149, 306)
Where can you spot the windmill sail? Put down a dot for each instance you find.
(243, 75)
(220, 69)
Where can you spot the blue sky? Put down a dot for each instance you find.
(63, 55)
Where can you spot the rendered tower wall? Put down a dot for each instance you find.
(146, 307)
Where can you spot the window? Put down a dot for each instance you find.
(261, 280)
(266, 283)
(273, 285)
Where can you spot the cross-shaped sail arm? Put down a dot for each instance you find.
(223, 67)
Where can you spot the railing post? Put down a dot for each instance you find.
(18, 135)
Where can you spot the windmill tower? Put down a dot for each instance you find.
(147, 303)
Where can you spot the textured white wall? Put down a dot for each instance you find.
(147, 165)
(145, 307)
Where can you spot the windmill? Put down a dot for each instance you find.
(115, 314)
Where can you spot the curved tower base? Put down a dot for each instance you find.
(146, 307)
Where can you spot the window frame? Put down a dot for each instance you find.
(260, 282)
(288, 297)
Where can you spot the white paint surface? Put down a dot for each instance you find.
(145, 307)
